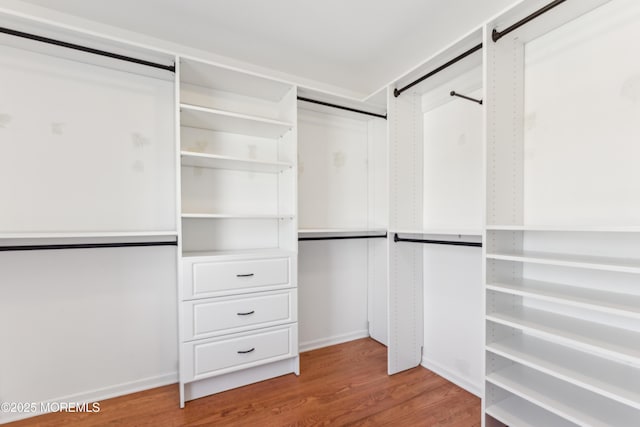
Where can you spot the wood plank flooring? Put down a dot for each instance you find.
(346, 384)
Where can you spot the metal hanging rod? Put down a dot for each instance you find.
(468, 98)
(68, 45)
(397, 92)
(497, 35)
(396, 239)
(84, 246)
(354, 110)
(377, 236)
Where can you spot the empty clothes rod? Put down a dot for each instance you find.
(375, 236)
(341, 107)
(397, 92)
(468, 98)
(497, 35)
(91, 50)
(397, 239)
(85, 246)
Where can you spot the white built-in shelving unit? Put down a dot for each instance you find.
(238, 246)
(562, 236)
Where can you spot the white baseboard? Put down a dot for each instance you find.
(100, 394)
(445, 373)
(217, 384)
(333, 340)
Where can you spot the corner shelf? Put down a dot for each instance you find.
(565, 400)
(603, 301)
(623, 265)
(224, 121)
(601, 376)
(213, 161)
(441, 231)
(605, 341)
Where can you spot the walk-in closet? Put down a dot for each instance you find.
(336, 213)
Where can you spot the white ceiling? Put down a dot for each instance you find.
(357, 45)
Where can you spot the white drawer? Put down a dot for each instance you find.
(207, 279)
(216, 356)
(225, 315)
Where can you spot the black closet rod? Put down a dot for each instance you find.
(468, 98)
(377, 236)
(84, 246)
(397, 92)
(437, 242)
(497, 35)
(68, 45)
(354, 110)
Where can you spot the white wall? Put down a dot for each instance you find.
(565, 88)
(332, 292)
(453, 314)
(86, 323)
(453, 191)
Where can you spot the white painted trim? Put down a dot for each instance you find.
(333, 340)
(100, 394)
(445, 373)
(219, 383)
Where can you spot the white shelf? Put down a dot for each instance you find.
(234, 216)
(513, 411)
(340, 232)
(599, 300)
(213, 161)
(565, 400)
(224, 121)
(87, 235)
(568, 228)
(610, 379)
(602, 340)
(200, 73)
(623, 265)
(441, 231)
(240, 253)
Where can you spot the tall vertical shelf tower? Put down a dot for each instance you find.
(562, 253)
(238, 242)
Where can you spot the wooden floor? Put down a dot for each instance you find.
(346, 384)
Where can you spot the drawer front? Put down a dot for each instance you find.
(206, 358)
(225, 278)
(216, 316)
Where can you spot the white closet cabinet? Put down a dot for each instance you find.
(436, 149)
(342, 201)
(238, 297)
(562, 263)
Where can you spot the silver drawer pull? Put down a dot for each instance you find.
(247, 313)
(246, 351)
(244, 275)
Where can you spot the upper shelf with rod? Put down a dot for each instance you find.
(56, 40)
(454, 60)
(521, 21)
